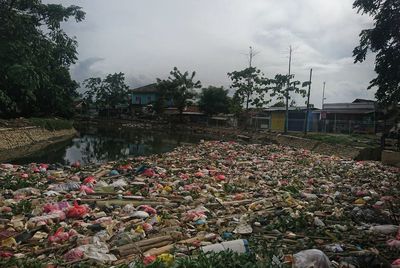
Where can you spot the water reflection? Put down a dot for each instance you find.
(104, 144)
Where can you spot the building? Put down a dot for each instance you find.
(145, 95)
(358, 116)
(297, 117)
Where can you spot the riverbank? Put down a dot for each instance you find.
(23, 137)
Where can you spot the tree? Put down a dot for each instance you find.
(235, 105)
(250, 87)
(384, 40)
(179, 87)
(35, 56)
(214, 100)
(282, 87)
(107, 92)
(280, 103)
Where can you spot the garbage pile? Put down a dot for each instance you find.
(289, 206)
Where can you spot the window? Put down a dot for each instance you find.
(138, 100)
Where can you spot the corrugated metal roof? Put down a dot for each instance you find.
(347, 111)
(145, 89)
(349, 106)
(299, 108)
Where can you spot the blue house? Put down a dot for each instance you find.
(144, 95)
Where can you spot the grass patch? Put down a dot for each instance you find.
(51, 123)
(352, 139)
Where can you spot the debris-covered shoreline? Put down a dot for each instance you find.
(278, 200)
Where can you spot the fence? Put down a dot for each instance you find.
(325, 126)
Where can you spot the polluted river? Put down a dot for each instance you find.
(132, 199)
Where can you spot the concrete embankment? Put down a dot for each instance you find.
(23, 141)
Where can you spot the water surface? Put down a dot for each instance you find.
(94, 145)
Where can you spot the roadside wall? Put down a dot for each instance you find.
(15, 142)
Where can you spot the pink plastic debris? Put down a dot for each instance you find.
(199, 174)
(60, 236)
(184, 176)
(89, 179)
(76, 164)
(147, 209)
(77, 211)
(149, 259)
(73, 255)
(86, 189)
(220, 177)
(148, 172)
(393, 243)
(396, 262)
(6, 254)
(50, 208)
(191, 187)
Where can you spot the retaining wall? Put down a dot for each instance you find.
(17, 142)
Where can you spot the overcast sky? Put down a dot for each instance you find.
(145, 39)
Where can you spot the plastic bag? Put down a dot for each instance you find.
(148, 172)
(98, 251)
(77, 211)
(89, 180)
(50, 208)
(311, 258)
(147, 209)
(86, 189)
(55, 215)
(239, 246)
(384, 229)
(119, 183)
(60, 236)
(73, 255)
(65, 187)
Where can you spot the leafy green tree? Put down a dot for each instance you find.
(214, 100)
(107, 92)
(283, 87)
(384, 40)
(35, 56)
(235, 106)
(250, 87)
(280, 103)
(179, 87)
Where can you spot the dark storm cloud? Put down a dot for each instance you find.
(146, 39)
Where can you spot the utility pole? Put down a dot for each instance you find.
(323, 96)
(322, 107)
(287, 93)
(308, 104)
(251, 55)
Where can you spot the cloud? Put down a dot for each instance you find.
(146, 39)
(84, 69)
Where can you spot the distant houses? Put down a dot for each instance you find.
(359, 116)
(144, 95)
